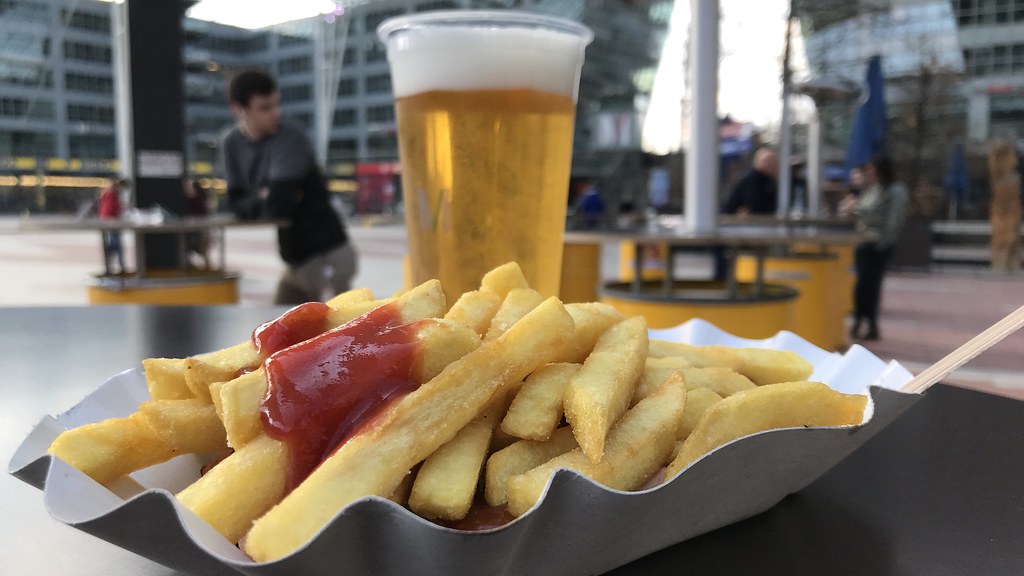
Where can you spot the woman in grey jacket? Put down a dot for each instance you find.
(880, 211)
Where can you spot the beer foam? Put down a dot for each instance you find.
(475, 58)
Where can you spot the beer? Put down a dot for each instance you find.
(485, 177)
(485, 117)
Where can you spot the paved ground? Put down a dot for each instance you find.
(925, 316)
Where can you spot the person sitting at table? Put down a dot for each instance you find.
(272, 173)
(757, 192)
(110, 209)
(880, 211)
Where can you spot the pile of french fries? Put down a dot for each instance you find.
(511, 387)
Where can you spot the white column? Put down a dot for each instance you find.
(978, 111)
(814, 165)
(702, 157)
(122, 91)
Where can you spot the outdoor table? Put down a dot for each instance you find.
(179, 227)
(755, 239)
(214, 284)
(939, 491)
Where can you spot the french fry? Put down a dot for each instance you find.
(353, 296)
(504, 279)
(601, 390)
(592, 319)
(698, 356)
(401, 494)
(240, 488)
(785, 405)
(723, 381)
(157, 432)
(447, 480)
(239, 399)
(537, 408)
(522, 457)
(698, 400)
(165, 379)
(764, 366)
(516, 305)
(638, 446)
(375, 461)
(475, 309)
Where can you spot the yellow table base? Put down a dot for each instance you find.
(819, 310)
(191, 291)
(747, 315)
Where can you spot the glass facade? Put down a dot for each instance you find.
(57, 84)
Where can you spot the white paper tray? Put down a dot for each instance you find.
(578, 526)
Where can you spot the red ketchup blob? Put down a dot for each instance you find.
(323, 390)
(296, 325)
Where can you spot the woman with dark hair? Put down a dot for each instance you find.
(880, 211)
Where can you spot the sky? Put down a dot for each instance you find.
(752, 39)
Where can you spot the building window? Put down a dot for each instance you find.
(380, 113)
(374, 19)
(376, 52)
(92, 147)
(86, 20)
(341, 150)
(25, 108)
(75, 82)
(347, 87)
(345, 117)
(31, 75)
(90, 114)
(436, 5)
(350, 57)
(295, 65)
(286, 40)
(87, 52)
(382, 147)
(26, 144)
(296, 93)
(378, 84)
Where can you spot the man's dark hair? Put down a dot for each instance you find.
(249, 83)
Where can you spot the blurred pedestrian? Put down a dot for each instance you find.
(758, 191)
(110, 208)
(198, 202)
(272, 173)
(1005, 209)
(880, 210)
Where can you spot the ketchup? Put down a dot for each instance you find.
(321, 391)
(296, 325)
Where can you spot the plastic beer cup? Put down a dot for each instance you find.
(485, 104)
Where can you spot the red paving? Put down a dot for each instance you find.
(926, 316)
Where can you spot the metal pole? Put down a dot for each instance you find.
(814, 164)
(122, 93)
(785, 130)
(702, 155)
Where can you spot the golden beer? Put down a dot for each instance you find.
(485, 105)
(485, 177)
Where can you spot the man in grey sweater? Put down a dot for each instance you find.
(272, 173)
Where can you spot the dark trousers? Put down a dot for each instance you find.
(871, 263)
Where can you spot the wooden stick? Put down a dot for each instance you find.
(936, 372)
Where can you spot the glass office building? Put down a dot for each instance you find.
(57, 85)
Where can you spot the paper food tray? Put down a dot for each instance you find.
(578, 526)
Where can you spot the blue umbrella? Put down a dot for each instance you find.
(956, 176)
(869, 125)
